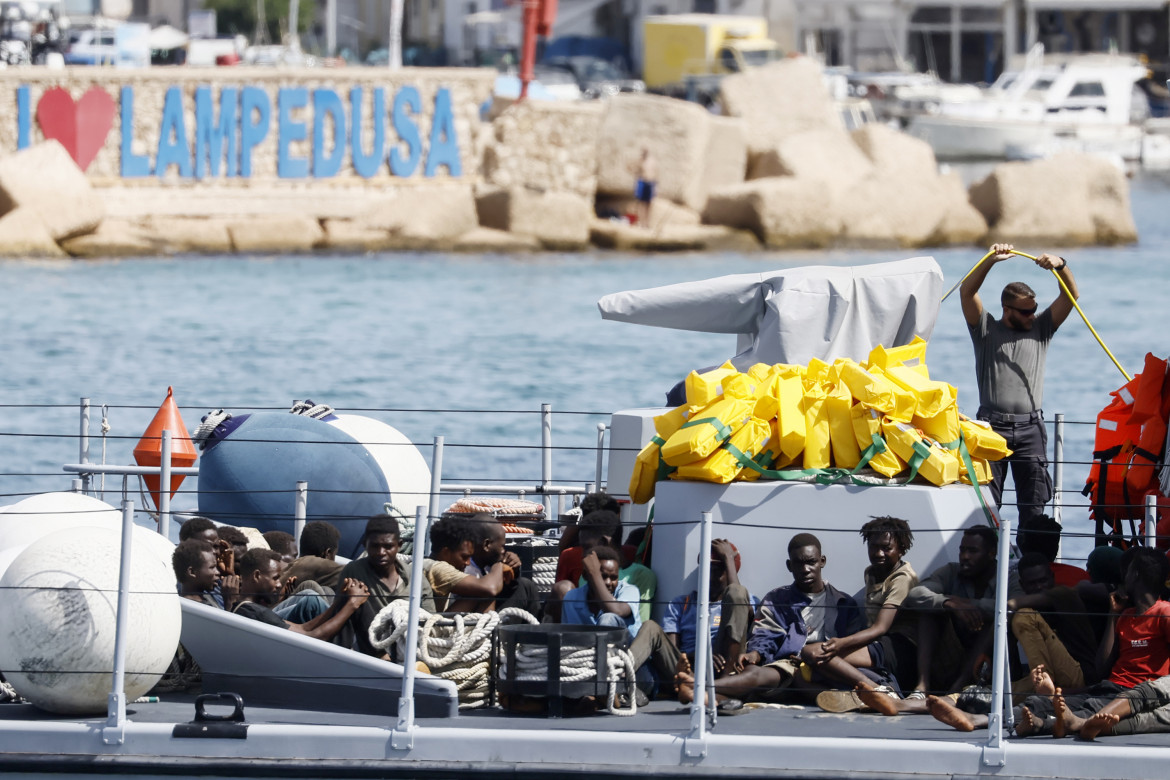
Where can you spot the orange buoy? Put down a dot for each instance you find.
(148, 451)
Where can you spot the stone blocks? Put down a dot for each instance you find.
(45, 180)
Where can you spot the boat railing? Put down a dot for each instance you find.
(703, 716)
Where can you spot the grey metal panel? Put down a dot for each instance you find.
(273, 663)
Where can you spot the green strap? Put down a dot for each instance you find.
(787, 475)
(721, 430)
(640, 555)
(992, 520)
(664, 470)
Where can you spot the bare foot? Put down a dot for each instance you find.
(943, 710)
(684, 682)
(1097, 724)
(876, 700)
(1042, 681)
(684, 665)
(1028, 724)
(1062, 725)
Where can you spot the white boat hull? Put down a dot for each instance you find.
(962, 138)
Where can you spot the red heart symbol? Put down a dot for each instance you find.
(81, 127)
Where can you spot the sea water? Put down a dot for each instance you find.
(475, 336)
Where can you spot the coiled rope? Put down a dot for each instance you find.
(456, 648)
(577, 666)
(310, 408)
(544, 573)
(207, 426)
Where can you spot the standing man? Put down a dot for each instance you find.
(1009, 366)
(646, 169)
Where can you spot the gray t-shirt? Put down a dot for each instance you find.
(1009, 364)
(820, 617)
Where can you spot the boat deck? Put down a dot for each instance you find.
(754, 742)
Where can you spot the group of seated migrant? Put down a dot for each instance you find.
(1089, 657)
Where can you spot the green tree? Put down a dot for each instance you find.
(238, 17)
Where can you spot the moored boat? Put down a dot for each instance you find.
(412, 736)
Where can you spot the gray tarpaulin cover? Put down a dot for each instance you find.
(794, 315)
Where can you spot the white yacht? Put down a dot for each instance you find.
(1087, 102)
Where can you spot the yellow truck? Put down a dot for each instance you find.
(680, 46)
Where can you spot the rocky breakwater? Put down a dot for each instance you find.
(777, 170)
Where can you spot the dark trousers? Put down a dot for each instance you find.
(1028, 440)
(523, 593)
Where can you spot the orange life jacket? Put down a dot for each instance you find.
(1127, 451)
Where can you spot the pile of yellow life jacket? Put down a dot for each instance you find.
(884, 421)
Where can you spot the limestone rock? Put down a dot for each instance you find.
(828, 157)
(546, 145)
(785, 212)
(678, 135)
(671, 238)
(1066, 200)
(424, 215)
(484, 240)
(181, 235)
(892, 211)
(778, 100)
(345, 235)
(23, 234)
(113, 238)
(276, 234)
(558, 220)
(1109, 201)
(962, 224)
(890, 150)
(45, 179)
(727, 157)
(662, 211)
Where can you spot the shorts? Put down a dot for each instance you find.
(644, 191)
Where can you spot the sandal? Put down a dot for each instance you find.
(920, 695)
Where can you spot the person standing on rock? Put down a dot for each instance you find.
(1009, 367)
(646, 169)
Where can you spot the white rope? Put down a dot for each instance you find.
(544, 573)
(458, 649)
(207, 426)
(309, 408)
(8, 693)
(454, 648)
(577, 666)
(105, 433)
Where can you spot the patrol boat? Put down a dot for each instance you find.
(275, 704)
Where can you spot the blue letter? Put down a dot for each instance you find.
(407, 130)
(134, 166)
(211, 137)
(287, 131)
(327, 103)
(366, 165)
(254, 105)
(172, 137)
(444, 146)
(23, 118)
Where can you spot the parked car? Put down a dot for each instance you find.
(596, 77)
(91, 46)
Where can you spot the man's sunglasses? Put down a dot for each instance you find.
(1026, 312)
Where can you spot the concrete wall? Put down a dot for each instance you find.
(160, 126)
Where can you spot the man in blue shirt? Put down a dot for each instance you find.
(808, 610)
(604, 600)
(671, 647)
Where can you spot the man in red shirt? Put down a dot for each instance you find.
(1135, 648)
